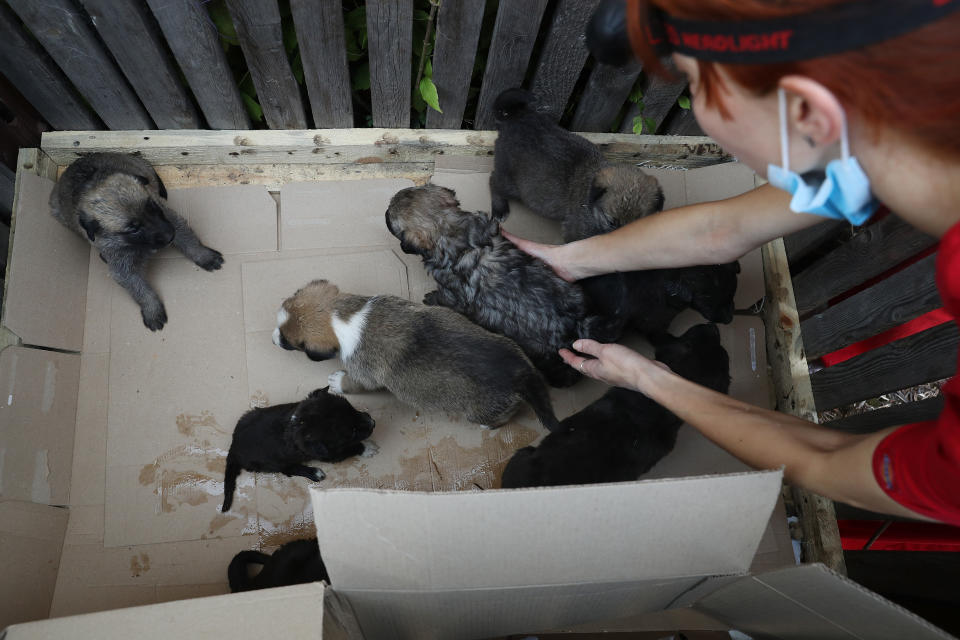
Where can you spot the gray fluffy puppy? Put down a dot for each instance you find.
(487, 278)
(119, 203)
(561, 175)
(430, 357)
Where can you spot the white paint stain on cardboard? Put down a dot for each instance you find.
(40, 490)
(49, 387)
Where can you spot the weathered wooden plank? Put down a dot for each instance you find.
(923, 357)
(514, 34)
(680, 122)
(800, 244)
(261, 38)
(7, 178)
(563, 55)
(889, 303)
(659, 97)
(458, 30)
(20, 124)
(66, 34)
(196, 46)
(34, 74)
(871, 421)
(323, 51)
(607, 89)
(821, 537)
(875, 249)
(351, 145)
(390, 36)
(138, 48)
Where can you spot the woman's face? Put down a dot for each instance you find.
(752, 131)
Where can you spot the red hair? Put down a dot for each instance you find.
(910, 83)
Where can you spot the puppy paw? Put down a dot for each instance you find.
(335, 380)
(486, 427)
(431, 298)
(318, 475)
(370, 449)
(209, 259)
(154, 317)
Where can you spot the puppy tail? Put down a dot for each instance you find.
(237, 571)
(230, 482)
(538, 397)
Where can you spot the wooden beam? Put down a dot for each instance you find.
(363, 146)
(323, 50)
(607, 90)
(800, 244)
(458, 31)
(794, 395)
(923, 357)
(34, 74)
(137, 46)
(195, 43)
(563, 56)
(514, 34)
(869, 253)
(67, 36)
(889, 303)
(898, 414)
(390, 36)
(258, 28)
(659, 98)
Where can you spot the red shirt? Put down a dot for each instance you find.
(918, 465)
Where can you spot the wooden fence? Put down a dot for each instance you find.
(161, 64)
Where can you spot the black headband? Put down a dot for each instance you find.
(843, 27)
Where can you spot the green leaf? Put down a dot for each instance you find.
(363, 38)
(356, 19)
(297, 66)
(650, 125)
(253, 107)
(289, 38)
(417, 102)
(636, 95)
(420, 14)
(221, 18)
(427, 68)
(429, 92)
(638, 125)
(684, 102)
(640, 106)
(361, 78)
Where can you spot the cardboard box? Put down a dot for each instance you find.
(113, 444)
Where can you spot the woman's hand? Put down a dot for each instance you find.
(611, 363)
(552, 254)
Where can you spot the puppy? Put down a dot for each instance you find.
(647, 301)
(281, 438)
(487, 278)
(119, 203)
(561, 175)
(623, 434)
(296, 562)
(430, 357)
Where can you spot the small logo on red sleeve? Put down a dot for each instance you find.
(887, 471)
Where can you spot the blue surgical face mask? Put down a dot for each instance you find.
(840, 191)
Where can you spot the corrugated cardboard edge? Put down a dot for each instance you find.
(295, 613)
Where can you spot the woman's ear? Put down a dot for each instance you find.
(814, 114)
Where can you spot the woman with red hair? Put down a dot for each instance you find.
(840, 105)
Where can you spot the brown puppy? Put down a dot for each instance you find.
(119, 203)
(430, 357)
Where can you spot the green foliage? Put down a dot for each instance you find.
(684, 102)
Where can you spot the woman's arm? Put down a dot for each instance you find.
(707, 233)
(834, 464)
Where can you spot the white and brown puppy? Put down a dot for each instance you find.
(430, 357)
(119, 204)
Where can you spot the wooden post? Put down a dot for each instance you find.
(390, 35)
(458, 30)
(323, 51)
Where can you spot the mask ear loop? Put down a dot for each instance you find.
(784, 148)
(844, 141)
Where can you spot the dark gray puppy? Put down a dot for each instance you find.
(119, 203)
(487, 278)
(430, 357)
(296, 562)
(283, 437)
(561, 175)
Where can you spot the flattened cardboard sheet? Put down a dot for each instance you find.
(245, 616)
(31, 536)
(48, 275)
(386, 540)
(812, 602)
(321, 215)
(38, 410)
(232, 220)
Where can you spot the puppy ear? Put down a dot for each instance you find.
(91, 226)
(316, 393)
(596, 192)
(415, 242)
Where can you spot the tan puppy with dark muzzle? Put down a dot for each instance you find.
(430, 357)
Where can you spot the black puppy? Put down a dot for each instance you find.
(624, 433)
(281, 438)
(296, 562)
(647, 301)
